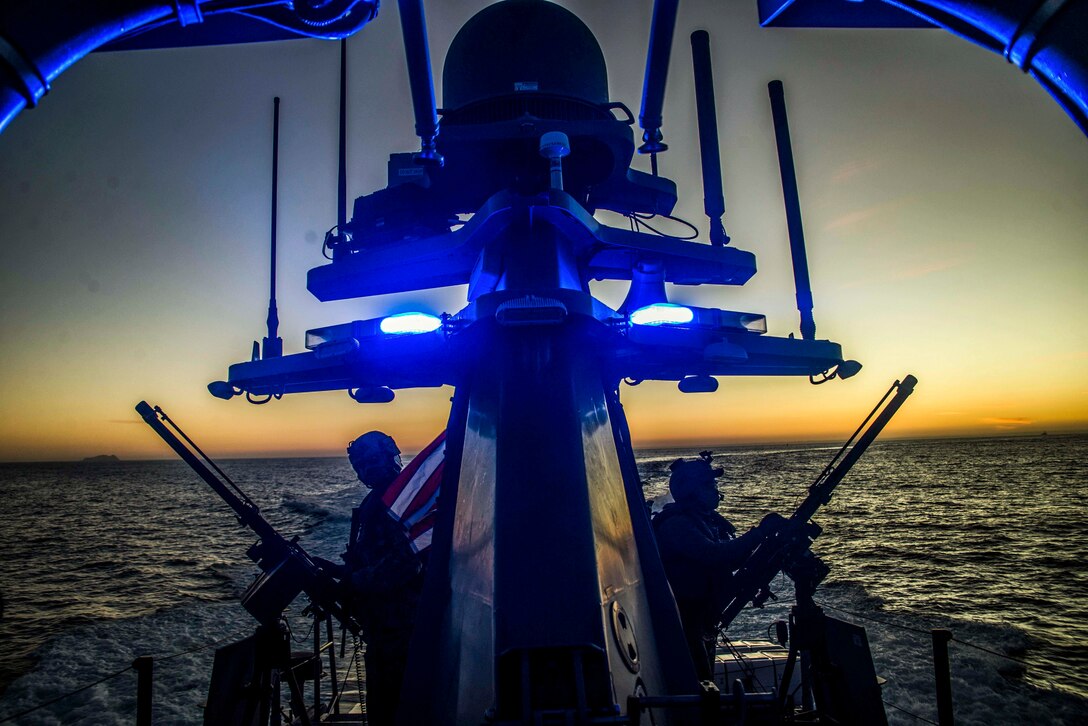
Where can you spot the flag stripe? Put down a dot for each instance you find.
(412, 498)
(401, 505)
(406, 477)
(427, 494)
(423, 525)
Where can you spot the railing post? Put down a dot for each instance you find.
(317, 663)
(143, 667)
(943, 674)
(334, 696)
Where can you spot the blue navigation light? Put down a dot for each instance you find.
(662, 314)
(409, 323)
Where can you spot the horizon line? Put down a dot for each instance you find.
(660, 446)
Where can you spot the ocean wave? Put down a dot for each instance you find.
(982, 540)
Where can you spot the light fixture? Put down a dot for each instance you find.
(662, 314)
(409, 324)
(847, 369)
(697, 384)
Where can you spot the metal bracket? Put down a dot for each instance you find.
(33, 84)
(1021, 50)
(188, 12)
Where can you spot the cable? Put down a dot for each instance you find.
(330, 241)
(306, 637)
(360, 679)
(913, 715)
(640, 220)
(66, 695)
(926, 632)
(876, 620)
(991, 652)
(114, 675)
(235, 634)
(745, 663)
(347, 673)
(834, 459)
(249, 502)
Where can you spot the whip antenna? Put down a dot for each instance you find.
(420, 80)
(653, 85)
(713, 196)
(273, 344)
(793, 209)
(342, 164)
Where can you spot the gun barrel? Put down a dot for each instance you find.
(287, 568)
(246, 512)
(820, 492)
(770, 556)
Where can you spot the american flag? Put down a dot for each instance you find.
(412, 498)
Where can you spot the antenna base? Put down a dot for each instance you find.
(653, 142)
(428, 155)
(272, 347)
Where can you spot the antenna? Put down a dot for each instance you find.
(713, 196)
(793, 209)
(342, 167)
(414, 28)
(657, 70)
(273, 345)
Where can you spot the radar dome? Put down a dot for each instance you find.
(523, 46)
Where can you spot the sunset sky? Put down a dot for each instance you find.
(945, 199)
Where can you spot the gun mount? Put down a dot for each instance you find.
(286, 569)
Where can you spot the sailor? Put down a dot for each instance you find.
(383, 576)
(700, 550)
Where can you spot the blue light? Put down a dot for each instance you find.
(662, 314)
(409, 324)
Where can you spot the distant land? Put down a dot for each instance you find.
(101, 458)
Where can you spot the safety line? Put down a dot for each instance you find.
(347, 674)
(235, 634)
(991, 652)
(926, 632)
(102, 680)
(66, 695)
(876, 620)
(914, 715)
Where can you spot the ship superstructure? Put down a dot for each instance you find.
(546, 600)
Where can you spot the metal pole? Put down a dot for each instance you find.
(943, 675)
(657, 71)
(420, 80)
(709, 152)
(793, 209)
(143, 667)
(333, 695)
(342, 145)
(317, 662)
(273, 344)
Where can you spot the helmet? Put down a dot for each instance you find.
(694, 482)
(375, 458)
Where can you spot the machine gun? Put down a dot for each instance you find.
(788, 549)
(286, 569)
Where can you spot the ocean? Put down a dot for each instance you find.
(103, 562)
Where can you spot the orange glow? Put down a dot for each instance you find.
(134, 223)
